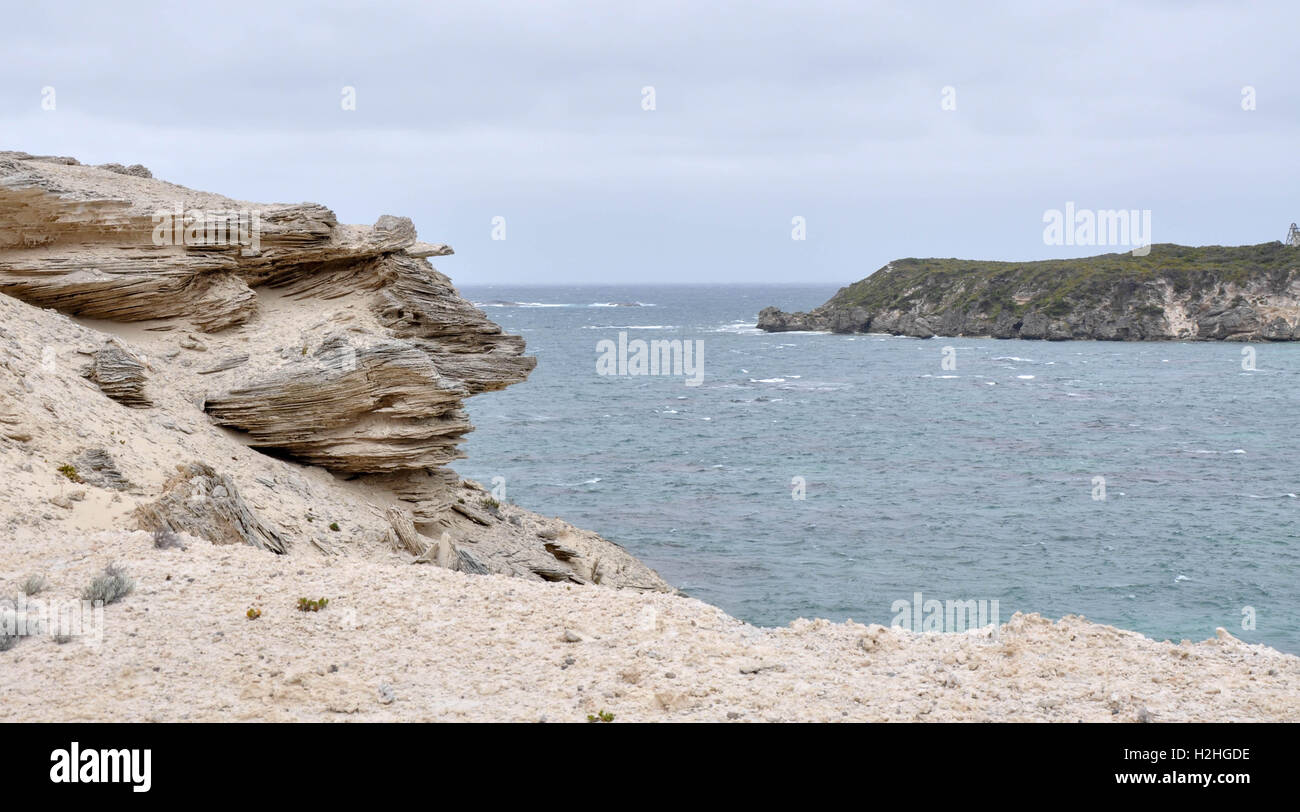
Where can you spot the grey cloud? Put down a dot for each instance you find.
(764, 110)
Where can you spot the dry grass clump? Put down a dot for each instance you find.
(110, 586)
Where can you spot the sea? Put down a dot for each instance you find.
(1151, 486)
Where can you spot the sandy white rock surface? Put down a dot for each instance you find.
(403, 642)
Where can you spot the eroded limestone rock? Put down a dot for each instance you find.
(276, 328)
(120, 373)
(382, 395)
(203, 503)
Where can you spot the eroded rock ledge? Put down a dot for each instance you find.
(316, 343)
(383, 396)
(1246, 293)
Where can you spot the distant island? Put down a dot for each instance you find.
(1175, 292)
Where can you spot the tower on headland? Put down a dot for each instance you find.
(1293, 236)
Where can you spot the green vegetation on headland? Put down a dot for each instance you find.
(995, 284)
(1118, 296)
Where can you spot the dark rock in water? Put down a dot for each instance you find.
(1245, 293)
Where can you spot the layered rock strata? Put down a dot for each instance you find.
(272, 327)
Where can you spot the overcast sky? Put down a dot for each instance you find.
(533, 111)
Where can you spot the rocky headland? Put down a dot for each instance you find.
(305, 379)
(1246, 293)
(217, 432)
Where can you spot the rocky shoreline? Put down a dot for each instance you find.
(1174, 293)
(235, 431)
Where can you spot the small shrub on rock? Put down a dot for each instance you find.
(165, 539)
(309, 605)
(110, 586)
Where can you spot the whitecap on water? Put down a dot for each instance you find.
(632, 327)
(738, 328)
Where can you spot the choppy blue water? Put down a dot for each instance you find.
(975, 483)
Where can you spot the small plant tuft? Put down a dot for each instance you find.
(165, 539)
(309, 605)
(600, 717)
(491, 504)
(253, 613)
(34, 584)
(70, 471)
(110, 586)
(334, 526)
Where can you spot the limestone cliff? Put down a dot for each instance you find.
(1246, 293)
(269, 327)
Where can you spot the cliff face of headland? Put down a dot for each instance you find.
(251, 373)
(1246, 293)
